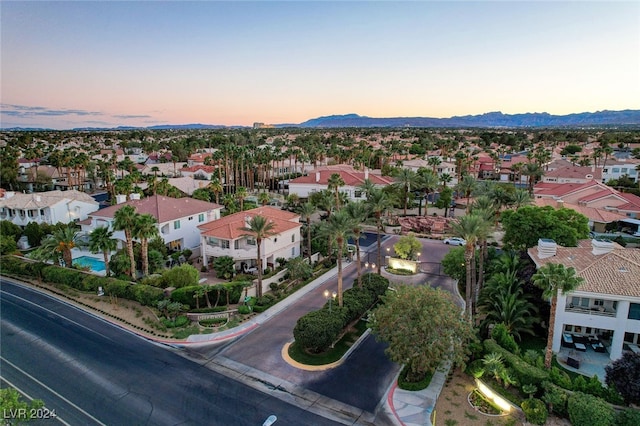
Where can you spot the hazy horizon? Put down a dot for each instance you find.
(107, 64)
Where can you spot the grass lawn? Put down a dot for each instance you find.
(333, 354)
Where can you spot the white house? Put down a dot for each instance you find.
(225, 237)
(178, 219)
(318, 180)
(46, 207)
(606, 306)
(616, 168)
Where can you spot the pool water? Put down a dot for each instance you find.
(92, 263)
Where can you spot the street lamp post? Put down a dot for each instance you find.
(330, 296)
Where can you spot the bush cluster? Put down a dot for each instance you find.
(318, 330)
(535, 411)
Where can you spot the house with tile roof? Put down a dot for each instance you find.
(46, 207)
(590, 194)
(573, 174)
(616, 168)
(318, 180)
(200, 172)
(178, 219)
(606, 306)
(225, 237)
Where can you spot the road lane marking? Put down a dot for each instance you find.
(52, 391)
(54, 313)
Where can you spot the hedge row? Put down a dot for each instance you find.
(58, 276)
(318, 330)
(185, 295)
(525, 373)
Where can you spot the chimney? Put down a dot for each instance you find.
(120, 198)
(9, 194)
(546, 248)
(38, 198)
(599, 247)
(559, 203)
(366, 173)
(135, 196)
(317, 176)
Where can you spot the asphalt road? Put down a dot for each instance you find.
(91, 372)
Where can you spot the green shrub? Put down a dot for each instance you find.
(184, 295)
(629, 417)
(535, 411)
(244, 309)
(35, 269)
(12, 265)
(524, 372)
(180, 321)
(375, 283)
(501, 335)
(317, 330)
(58, 275)
(181, 276)
(209, 310)
(560, 378)
(146, 295)
(556, 398)
(475, 368)
(413, 386)
(154, 281)
(212, 322)
(588, 410)
(92, 282)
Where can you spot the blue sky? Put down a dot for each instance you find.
(69, 64)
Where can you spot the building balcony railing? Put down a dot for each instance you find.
(591, 311)
(217, 251)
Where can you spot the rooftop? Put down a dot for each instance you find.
(164, 209)
(230, 227)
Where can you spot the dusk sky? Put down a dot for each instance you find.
(99, 64)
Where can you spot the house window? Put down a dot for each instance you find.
(293, 251)
(224, 244)
(357, 194)
(214, 242)
(634, 311)
(41, 212)
(624, 170)
(236, 244)
(598, 302)
(201, 217)
(616, 170)
(32, 213)
(251, 241)
(584, 302)
(176, 224)
(605, 170)
(293, 238)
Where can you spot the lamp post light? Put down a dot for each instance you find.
(330, 296)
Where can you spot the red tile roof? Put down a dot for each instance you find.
(206, 169)
(350, 177)
(575, 172)
(164, 209)
(594, 214)
(230, 227)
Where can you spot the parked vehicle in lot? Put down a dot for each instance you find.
(455, 241)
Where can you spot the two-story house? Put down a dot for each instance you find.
(178, 219)
(318, 180)
(606, 306)
(616, 168)
(46, 207)
(225, 237)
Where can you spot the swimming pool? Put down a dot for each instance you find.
(92, 263)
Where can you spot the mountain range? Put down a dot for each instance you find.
(488, 120)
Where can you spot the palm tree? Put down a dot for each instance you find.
(552, 278)
(307, 210)
(521, 198)
(367, 187)
(339, 227)
(470, 228)
(125, 220)
(379, 203)
(333, 184)
(144, 229)
(429, 183)
(241, 194)
(466, 186)
(533, 172)
(62, 241)
(216, 187)
(405, 178)
(260, 228)
(101, 241)
(358, 212)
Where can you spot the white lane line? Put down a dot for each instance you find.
(52, 312)
(26, 395)
(52, 391)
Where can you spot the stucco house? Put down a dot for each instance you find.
(178, 219)
(225, 237)
(46, 207)
(318, 180)
(606, 306)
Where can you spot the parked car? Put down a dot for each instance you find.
(455, 241)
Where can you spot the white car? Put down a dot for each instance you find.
(455, 241)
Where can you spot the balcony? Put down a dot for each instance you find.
(237, 254)
(597, 311)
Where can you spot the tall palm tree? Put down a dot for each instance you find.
(367, 187)
(521, 198)
(62, 241)
(466, 186)
(379, 203)
(429, 183)
(125, 220)
(405, 179)
(101, 241)
(339, 226)
(333, 184)
(144, 229)
(241, 194)
(470, 228)
(260, 228)
(358, 212)
(553, 278)
(216, 187)
(307, 210)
